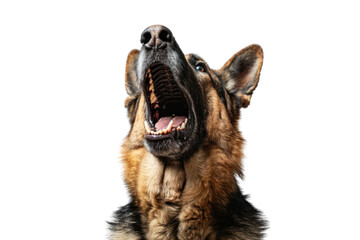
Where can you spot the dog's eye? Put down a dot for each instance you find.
(200, 67)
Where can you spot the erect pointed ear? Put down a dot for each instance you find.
(131, 83)
(240, 74)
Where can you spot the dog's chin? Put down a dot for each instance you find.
(169, 149)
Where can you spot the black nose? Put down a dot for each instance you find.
(156, 37)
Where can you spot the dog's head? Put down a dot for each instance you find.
(176, 101)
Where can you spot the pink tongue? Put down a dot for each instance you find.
(164, 122)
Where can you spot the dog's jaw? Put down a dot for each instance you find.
(173, 118)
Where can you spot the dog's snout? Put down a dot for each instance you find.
(156, 37)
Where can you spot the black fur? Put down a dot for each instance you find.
(127, 219)
(241, 216)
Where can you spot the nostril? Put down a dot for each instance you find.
(165, 35)
(145, 37)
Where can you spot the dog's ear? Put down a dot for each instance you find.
(240, 74)
(131, 83)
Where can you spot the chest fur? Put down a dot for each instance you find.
(171, 208)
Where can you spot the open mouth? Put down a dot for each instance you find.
(167, 107)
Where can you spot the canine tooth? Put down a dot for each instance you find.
(186, 120)
(147, 127)
(182, 126)
(168, 128)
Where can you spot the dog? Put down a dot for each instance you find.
(184, 150)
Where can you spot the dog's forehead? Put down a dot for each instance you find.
(193, 58)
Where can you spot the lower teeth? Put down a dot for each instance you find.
(165, 131)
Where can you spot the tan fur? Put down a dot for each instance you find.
(184, 191)
(154, 183)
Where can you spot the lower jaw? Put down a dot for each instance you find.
(158, 137)
(169, 149)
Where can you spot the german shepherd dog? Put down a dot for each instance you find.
(184, 149)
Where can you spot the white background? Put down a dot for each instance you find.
(62, 118)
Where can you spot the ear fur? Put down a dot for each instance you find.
(240, 74)
(131, 83)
